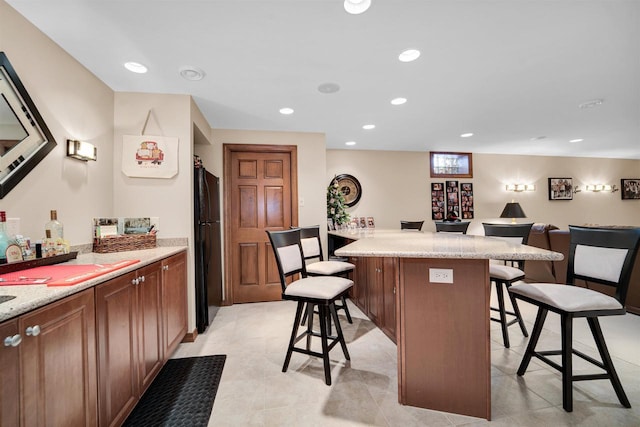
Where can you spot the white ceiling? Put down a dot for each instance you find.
(508, 71)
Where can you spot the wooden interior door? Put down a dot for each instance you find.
(260, 194)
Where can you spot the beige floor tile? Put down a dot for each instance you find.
(255, 392)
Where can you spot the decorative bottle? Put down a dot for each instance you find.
(4, 237)
(53, 229)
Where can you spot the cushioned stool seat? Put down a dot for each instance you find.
(567, 298)
(505, 272)
(329, 268)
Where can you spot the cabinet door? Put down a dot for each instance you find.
(116, 318)
(359, 290)
(374, 290)
(59, 363)
(174, 297)
(150, 354)
(389, 282)
(9, 374)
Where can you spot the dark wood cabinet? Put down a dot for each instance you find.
(9, 373)
(174, 298)
(358, 293)
(374, 291)
(58, 363)
(130, 346)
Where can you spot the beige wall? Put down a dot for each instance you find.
(396, 186)
(75, 105)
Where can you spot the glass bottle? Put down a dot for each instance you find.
(53, 229)
(4, 237)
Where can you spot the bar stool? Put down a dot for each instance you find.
(312, 249)
(320, 291)
(452, 227)
(505, 275)
(598, 255)
(411, 225)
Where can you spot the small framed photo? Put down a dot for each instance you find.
(560, 188)
(330, 226)
(630, 188)
(370, 222)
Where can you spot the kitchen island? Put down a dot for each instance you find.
(442, 295)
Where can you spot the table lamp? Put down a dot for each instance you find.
(512, 210)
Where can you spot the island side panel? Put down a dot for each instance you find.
(444, 341)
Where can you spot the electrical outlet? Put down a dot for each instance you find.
(440, 275)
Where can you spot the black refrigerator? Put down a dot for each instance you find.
(208, 247)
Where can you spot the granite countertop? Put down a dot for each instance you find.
(424, 244)
(29, 297)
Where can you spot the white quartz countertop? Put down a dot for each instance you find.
(30, 297)
(424, 244)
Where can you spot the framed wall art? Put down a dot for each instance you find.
(630, 188)
(146, 156)
(437, 201)
(560, 188)
(466, 200)
(450, 165)
(453, 200)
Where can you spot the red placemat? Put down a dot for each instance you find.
(61, 274)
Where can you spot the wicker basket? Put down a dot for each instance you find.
(124, 242)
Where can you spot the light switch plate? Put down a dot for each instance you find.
(440, 275)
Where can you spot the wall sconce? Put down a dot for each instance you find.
(520, 187)
(81, 150)
(596, 188)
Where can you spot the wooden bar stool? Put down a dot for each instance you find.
(505, 275)
(598, 255)
(318, 291)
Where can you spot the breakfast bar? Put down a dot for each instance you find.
(442, 295)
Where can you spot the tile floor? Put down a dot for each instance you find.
(254, 391)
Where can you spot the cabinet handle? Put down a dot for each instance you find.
(13, 341)
(165, 267)
(141, 279)
(33, 331)
(134, 281)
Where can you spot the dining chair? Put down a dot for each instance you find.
(599, 255)
(504, 275)
(411, 225)
(318, 291)
(312, 250)
(452, 227)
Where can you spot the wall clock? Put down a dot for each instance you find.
(350, 188)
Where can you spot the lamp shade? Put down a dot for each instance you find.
(512, 210)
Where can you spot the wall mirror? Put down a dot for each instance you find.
(24, 137)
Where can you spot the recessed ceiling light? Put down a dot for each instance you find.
(191, 73)
(356, 7)
(466, 135)
(409, 55)
(135, 67)
(328, 88)
(577, 140)
(537, 138)
(286, 111)
(398, 101)
(591, 103)
(368, 127)
(350, 143)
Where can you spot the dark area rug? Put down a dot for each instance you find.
(181, 395)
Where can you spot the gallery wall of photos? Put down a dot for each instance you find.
(451, 199)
